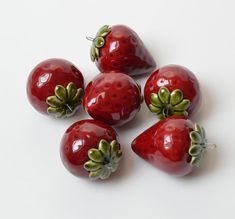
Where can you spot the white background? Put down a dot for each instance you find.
(198, 34)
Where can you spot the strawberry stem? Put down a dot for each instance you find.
(71, 110)
(90, 38)
(166, 110)
(209, 145)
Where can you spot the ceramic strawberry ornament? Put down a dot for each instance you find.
(119, 49)
(90, 148)
(172, 90)
(55, 87)
(113, 98)
(174, 145)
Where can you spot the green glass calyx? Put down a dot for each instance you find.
(98, 42)
(104, 160)
(166, 103)
(198, 145)
(65, 102)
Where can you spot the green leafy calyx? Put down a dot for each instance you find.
(104, 160)
(166, 103)
(198, 145)
(65, 102)
(99, 41)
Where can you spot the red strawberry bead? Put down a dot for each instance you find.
(172, 90)
(55, 86)
(174, 145)
(114, 98)
(89, 148)
(119, 49)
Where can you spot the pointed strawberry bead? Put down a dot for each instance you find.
(119, 49)
(174, 145)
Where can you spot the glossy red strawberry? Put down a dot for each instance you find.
(172, 90)
(174, 145)
(113, 98)
(119, 49)
(55, 86)
(90, 148)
